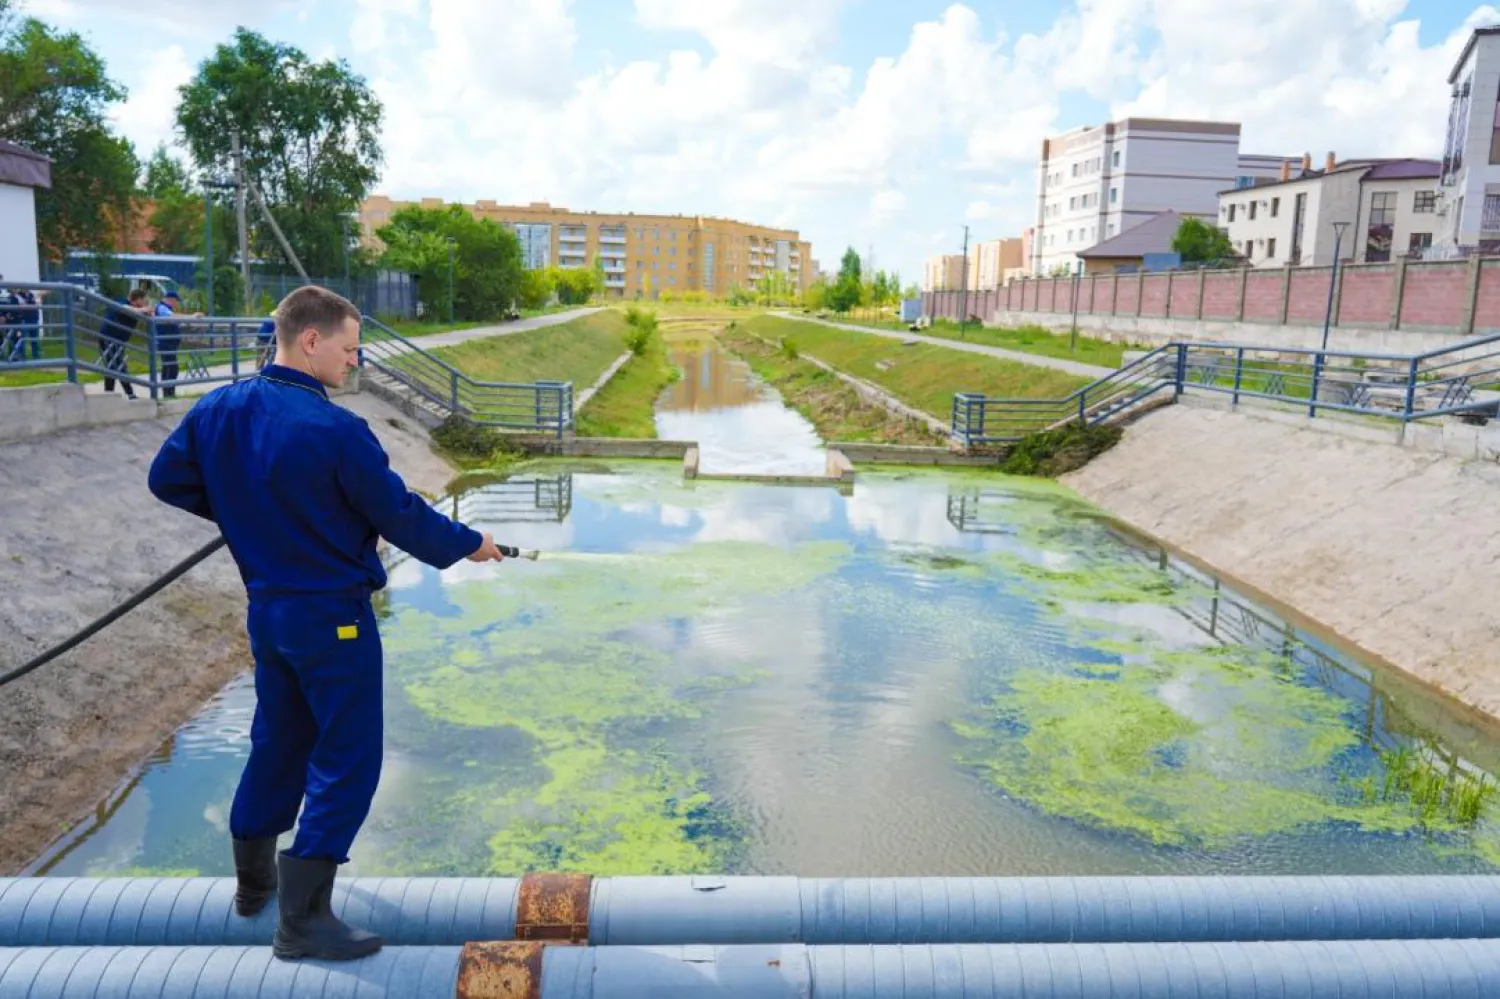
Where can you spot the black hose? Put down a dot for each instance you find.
(118, 612)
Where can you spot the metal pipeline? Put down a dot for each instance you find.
(739, 910)
(1362, 969)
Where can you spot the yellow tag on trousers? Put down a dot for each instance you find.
(348, 631)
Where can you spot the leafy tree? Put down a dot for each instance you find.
(845, 293)
(310, 135)
(536, 288)
(486, 259)
(912, 291)
(575, 285)
(815, 297)
(1199, 242)
(54, 97)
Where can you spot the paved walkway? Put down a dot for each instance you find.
(1057, 363)
(429, 342)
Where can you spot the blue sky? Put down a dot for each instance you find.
(881, 124)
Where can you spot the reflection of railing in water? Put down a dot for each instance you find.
(530, 500)
(1230, 620)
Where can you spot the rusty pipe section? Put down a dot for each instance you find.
(645, 911)
(1352, 969)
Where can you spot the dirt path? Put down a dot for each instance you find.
(80, 532)
(1395, 550)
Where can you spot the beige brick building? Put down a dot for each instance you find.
(994, 262)
(944, 272)
(642, 255)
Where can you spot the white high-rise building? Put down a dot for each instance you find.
(1468, 207)
(1098, 181)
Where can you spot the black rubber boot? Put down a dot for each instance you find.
(255, 871)
(308, 927)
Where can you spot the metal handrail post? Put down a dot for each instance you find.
(70, 344)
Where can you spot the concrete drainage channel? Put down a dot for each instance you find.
(575, 937)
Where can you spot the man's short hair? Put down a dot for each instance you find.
(313, 306)
(137, 295)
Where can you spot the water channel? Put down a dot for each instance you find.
(940, 673)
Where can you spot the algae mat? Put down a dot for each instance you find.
(938, 674)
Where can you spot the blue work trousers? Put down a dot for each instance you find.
(318, 727)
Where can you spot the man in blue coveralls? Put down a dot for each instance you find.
(302, 491)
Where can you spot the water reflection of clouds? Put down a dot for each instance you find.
(765, 438)
(773, 517)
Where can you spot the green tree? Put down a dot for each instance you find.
(845, 293)
(536, 288)
(575, 285)
(310, 134)
(1199, 242)
(54, 98)
(486, 259)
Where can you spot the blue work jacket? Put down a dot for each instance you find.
(300, 488)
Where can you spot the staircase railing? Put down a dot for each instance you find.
(540, 407)
(1460, 379)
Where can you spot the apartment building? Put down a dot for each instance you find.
(993, 262)
(1469, 189)
(1097, 181)
(641, 255)
(1388, 207)
(944, 272)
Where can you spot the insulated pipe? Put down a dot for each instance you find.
(728, 910)
(1433, 969)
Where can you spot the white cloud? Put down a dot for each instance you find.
(370, 28)
(173, 16)
(148, 115)
(887, 205)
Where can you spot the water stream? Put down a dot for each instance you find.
(941, 674)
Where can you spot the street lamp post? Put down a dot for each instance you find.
(1338, 240)
(1073, 335)
(450, 279)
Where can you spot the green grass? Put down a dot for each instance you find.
(1026, 339)
(412, 328)
(923, 375)
(579, 351)
(626, 407)
(829, 404)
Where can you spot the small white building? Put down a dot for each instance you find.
(1097, 182)
(1390, 207)
(1469, 206)
(22, 173)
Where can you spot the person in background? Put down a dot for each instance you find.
(29, 317)
(168, 339)
(119, 325)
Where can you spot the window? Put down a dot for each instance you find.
(1271, 247)
(1252, 210)
(1424, 202)
(1231, 212)
(1382, 221)
(1111, 229)
(1240, 183)
(1275, 207)
(1115, 160)
(1299, 217)
(1072, 204)
(1114, 195)
(1419, 241)
(1249, 249)
(1075, 169)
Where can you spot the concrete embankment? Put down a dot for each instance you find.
(1394, 549)
(80, 533)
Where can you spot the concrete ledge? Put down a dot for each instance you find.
(910, 454)
(839, 467)
(879, 396)
(690, 463)
(35, 410)
(603, 380)
(778, 480)
(613, 447)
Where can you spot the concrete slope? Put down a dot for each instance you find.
(1394, 549)
(80, 533)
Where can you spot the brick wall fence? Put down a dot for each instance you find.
(1401, 306)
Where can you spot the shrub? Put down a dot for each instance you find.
(1055, 452)
(789, 349)
(471, 444)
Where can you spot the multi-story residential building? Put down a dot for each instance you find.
(944, 272)
(1388, 207)
(1469, 203)
(991, 261)
(641, 255)
(1098, 181)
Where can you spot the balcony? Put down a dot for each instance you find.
(609, 238)
(614, 282)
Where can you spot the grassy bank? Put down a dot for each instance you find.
(626, 407)
(579, 351)
(420, 328)
(1025, 339)
(831, 405)
(924, 375)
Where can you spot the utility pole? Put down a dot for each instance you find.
(239, 208)
(963, 314)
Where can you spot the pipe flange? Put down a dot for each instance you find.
(501, 969)
(554, 907)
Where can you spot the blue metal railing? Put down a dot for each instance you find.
(540, 407)
(1461, 379)
(62, 330)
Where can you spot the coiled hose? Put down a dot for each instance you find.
(151, 590)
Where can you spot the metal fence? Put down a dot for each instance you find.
(61, 332)
(389, 294)
(536, 407)
(1461, 380)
